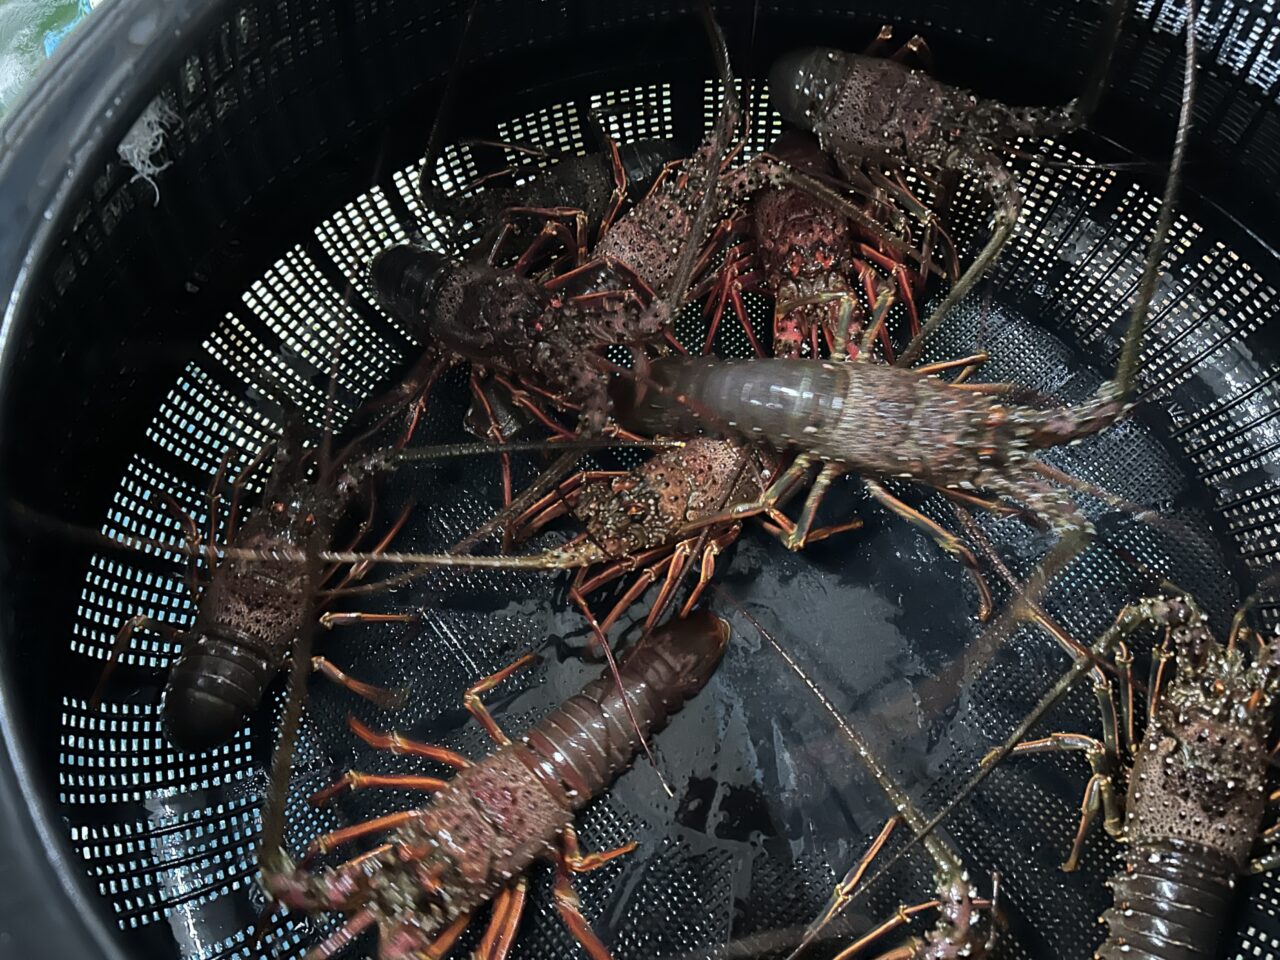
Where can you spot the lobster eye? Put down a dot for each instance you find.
(309, 519)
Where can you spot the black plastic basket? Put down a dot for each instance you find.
(151, 321)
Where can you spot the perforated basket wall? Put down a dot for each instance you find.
(168, 321)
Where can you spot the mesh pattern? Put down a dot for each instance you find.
(770, 804)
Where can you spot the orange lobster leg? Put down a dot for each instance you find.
(392, 699)
(503, 922)
(475, 706)
(354, 780)
(395, 743)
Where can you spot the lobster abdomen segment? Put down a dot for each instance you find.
(1170, 903)
(589, 739)
(874, 419)
(212, 688)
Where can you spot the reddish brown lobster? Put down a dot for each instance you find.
(876, 112)
(547, 335)
(485, 828)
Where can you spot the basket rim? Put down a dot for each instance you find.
(54, 142)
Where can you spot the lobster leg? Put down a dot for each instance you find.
(475, 706)
(1124, 673)
(844, 889)
(615, 569)
(419, 385)
(573, 860)
(674, 566)
(947, 540)
(901, 918)
(1100, 793)
(570, 909)
(1159, 667)
(355, 780)
(1074, 532)
(442, 944)
(342, 938)
(329, 841)
(577, 240)
(991, 506)
(522, 399)
(191, 537)
(724, 230)
(1004, 192)
(503, 922)
(728, 291)
(495, 434)
(901, 278)
(392, 699)
(213, 502)
(358, 571)
(803, 532)
(121, 644)
(397, 744)
(708, 566)
(880, 303)
(544, 510)
(972, 360)
(779, 491)
(619, 184)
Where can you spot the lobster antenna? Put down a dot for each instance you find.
(729, 115)
(1126, 368)
(272, 845)
(445, 451)
(720, 49)
(985, 769)
(447, 98)
(942, 855)
(1109, 38)
(148, 545)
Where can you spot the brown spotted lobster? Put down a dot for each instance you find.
(253, 603)
(872, 113)
(807, 256)
(650, 519)
(548, 335)
(1196, 786)
(486, 827)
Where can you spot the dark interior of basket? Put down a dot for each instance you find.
(189, 309)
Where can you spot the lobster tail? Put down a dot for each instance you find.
(214, 685)
(405, 278)
(589, 738)
(1169, 902)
